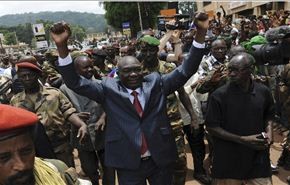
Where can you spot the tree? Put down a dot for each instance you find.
(24, 33)
(187, 8)
(119, 12)
(10, 38)
(78, 33)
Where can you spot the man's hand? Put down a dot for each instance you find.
(82, 132)
(218, 75)
(60, 33)
(101, 123)
(255, 142)
(201, 21)
(202, 24)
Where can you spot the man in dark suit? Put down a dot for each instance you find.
(139, 141)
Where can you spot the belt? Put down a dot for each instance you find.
(145, 158)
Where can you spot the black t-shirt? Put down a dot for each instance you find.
(240, 113)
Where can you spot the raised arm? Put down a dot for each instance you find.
(60, 33)
(178, 77)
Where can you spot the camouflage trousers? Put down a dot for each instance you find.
(284, 159)
(180, 168)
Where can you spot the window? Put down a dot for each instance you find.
(205, 3)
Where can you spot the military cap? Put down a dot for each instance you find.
(15, 120)
(150, 40)
(28, 62)
(257, 40)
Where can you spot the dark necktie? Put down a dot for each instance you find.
(139, 110)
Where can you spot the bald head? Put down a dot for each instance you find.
(243, 59)
(84, 66)
(80, 59)
(127, 61)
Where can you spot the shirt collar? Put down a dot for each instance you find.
(138, 90)
(215, 61)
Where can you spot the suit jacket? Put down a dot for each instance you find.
(84, 104)
(124, 126)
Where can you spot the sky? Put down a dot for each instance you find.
(17, 7)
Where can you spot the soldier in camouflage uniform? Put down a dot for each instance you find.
(51, 106)
(149, 49)
(98, 57)
(111, 61)
(284, 98)
(50, 75)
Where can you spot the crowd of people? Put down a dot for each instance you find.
(128, 107)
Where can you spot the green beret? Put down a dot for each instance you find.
(257, 40)
(150, 40)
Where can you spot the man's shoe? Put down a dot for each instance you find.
(202, 178)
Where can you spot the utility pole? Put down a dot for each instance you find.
(140, 17)
(2, 50)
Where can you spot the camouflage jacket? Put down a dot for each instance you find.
(172, 101)
(53, 110)
(207, 68)
(49, 71)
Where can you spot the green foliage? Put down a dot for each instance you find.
(10, 38)
(94, 22)
(24, 33)
(78, 33)
(119, 12)
(21, 24)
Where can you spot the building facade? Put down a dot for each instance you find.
(245, 8)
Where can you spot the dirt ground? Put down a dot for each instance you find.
(276, 149)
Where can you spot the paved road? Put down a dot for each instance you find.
(278, 179)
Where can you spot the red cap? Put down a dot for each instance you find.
(28, 65)
(28, 62)
(15, 118)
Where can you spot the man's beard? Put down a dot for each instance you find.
(28, 176)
